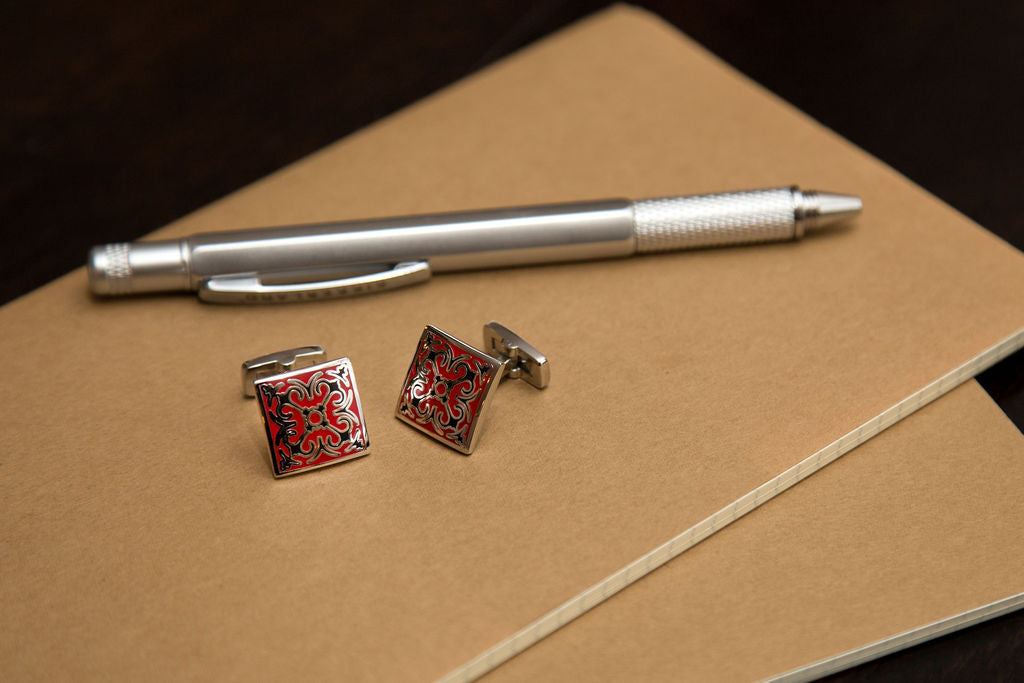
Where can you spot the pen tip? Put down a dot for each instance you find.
(819, 209)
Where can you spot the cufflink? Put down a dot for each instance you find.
(449, 384)
(310, 409)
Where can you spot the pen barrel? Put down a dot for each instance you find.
(673, 223)
(449, 241)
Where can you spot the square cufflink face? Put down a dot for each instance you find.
(446, 389)
(313, 417)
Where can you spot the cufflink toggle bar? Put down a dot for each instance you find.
(278, 362)
(523, 361)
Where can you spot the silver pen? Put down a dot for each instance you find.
(330, 260)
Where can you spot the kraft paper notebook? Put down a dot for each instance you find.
(145, 537)
(920, 524)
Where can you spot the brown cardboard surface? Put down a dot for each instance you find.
(143, 535)
(919, 524)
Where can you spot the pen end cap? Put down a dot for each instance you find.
(109, 269)
(138, 267)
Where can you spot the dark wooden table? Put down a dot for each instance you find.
(118, 117)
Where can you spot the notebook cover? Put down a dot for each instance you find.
(918, 525)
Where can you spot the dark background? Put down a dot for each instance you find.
(118, 117)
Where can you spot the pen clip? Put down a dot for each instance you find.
(251, 289)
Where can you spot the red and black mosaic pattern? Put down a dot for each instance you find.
(313, 417)
(446, 387)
